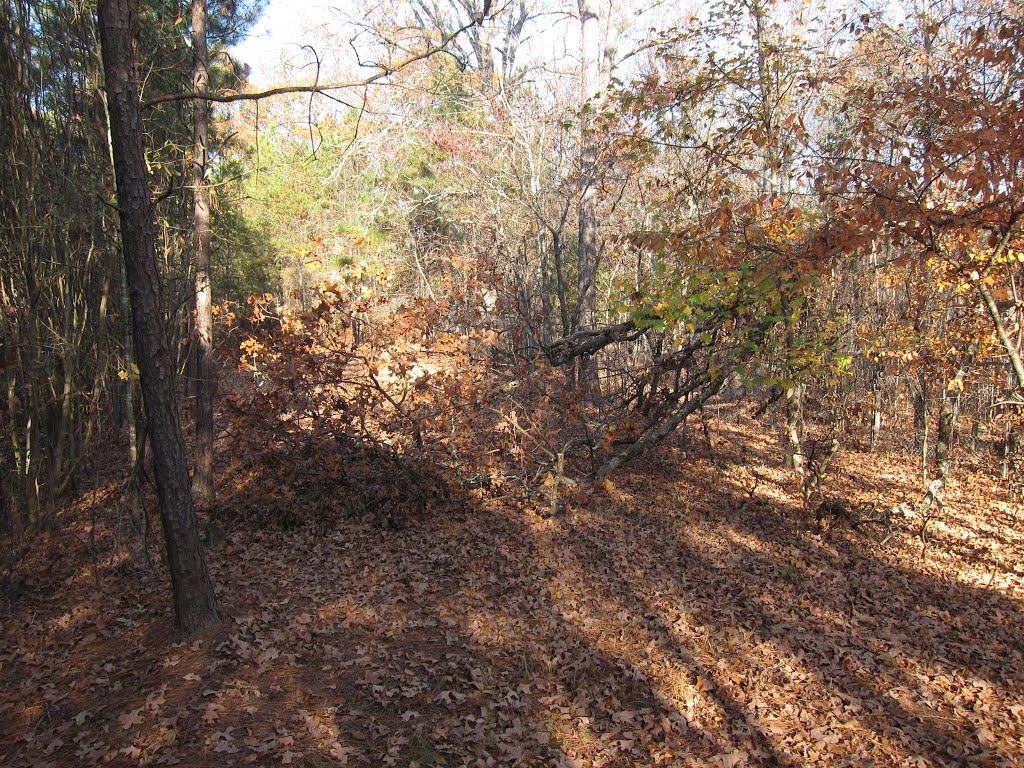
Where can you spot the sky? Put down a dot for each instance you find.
(286, 24)
(281, 31)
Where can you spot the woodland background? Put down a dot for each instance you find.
(513, 383)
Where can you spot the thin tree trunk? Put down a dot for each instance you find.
(795, 430)
(195, 604)
(586, 303)
(948, 411)
(203, 480)
(1011, 350)
(794, 457)
(1009, 446)
(545, 291)
(481, 37)
(921, 420)
(944, 435)
(563, 306)
(585, 312)
(876, 410)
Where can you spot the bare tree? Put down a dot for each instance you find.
(491, 46)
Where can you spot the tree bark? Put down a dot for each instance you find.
(203, 479)
(195, 604)
(1004, 338)
(703, 390)
(921, 420)
(795, 458)
(948, 412)
(563, 304)
(584, 316)
(944, 435)
(876, 410)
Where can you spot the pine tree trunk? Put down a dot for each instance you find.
(195, 604)
(203, 480)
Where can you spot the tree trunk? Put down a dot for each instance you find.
(1012, 350)
(563, 304)
(949, 409)
(195, 604)
(132, 411)
(876, 410)
(795, 429)
(202, 480)
(921, 420)
(1010, 440)
(794, 392)
(586, 296)
(545, 291)
(481, 37)
(944, 435)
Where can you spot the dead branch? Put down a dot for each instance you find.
(588, 342)
(705, 386)
(774, 397)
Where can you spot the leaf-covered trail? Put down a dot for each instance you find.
(680, 616)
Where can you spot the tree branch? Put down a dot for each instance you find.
(284, 90)
(707, 386)
(586, 343)
(1000, 328)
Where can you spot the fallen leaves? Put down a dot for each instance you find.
(654, 625)
(131, 719)
(222, 741)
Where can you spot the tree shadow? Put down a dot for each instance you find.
(352, 644)
(866, 627)
(663, 621)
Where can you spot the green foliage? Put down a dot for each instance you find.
(242, 261)
(764, 318)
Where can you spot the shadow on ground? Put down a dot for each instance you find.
(663, 620)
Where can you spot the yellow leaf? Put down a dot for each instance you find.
(122, 375)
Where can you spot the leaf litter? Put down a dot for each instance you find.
(673, 616)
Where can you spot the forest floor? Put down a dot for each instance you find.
(686, 614)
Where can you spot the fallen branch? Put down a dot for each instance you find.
(587, 343)
(658, 432)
